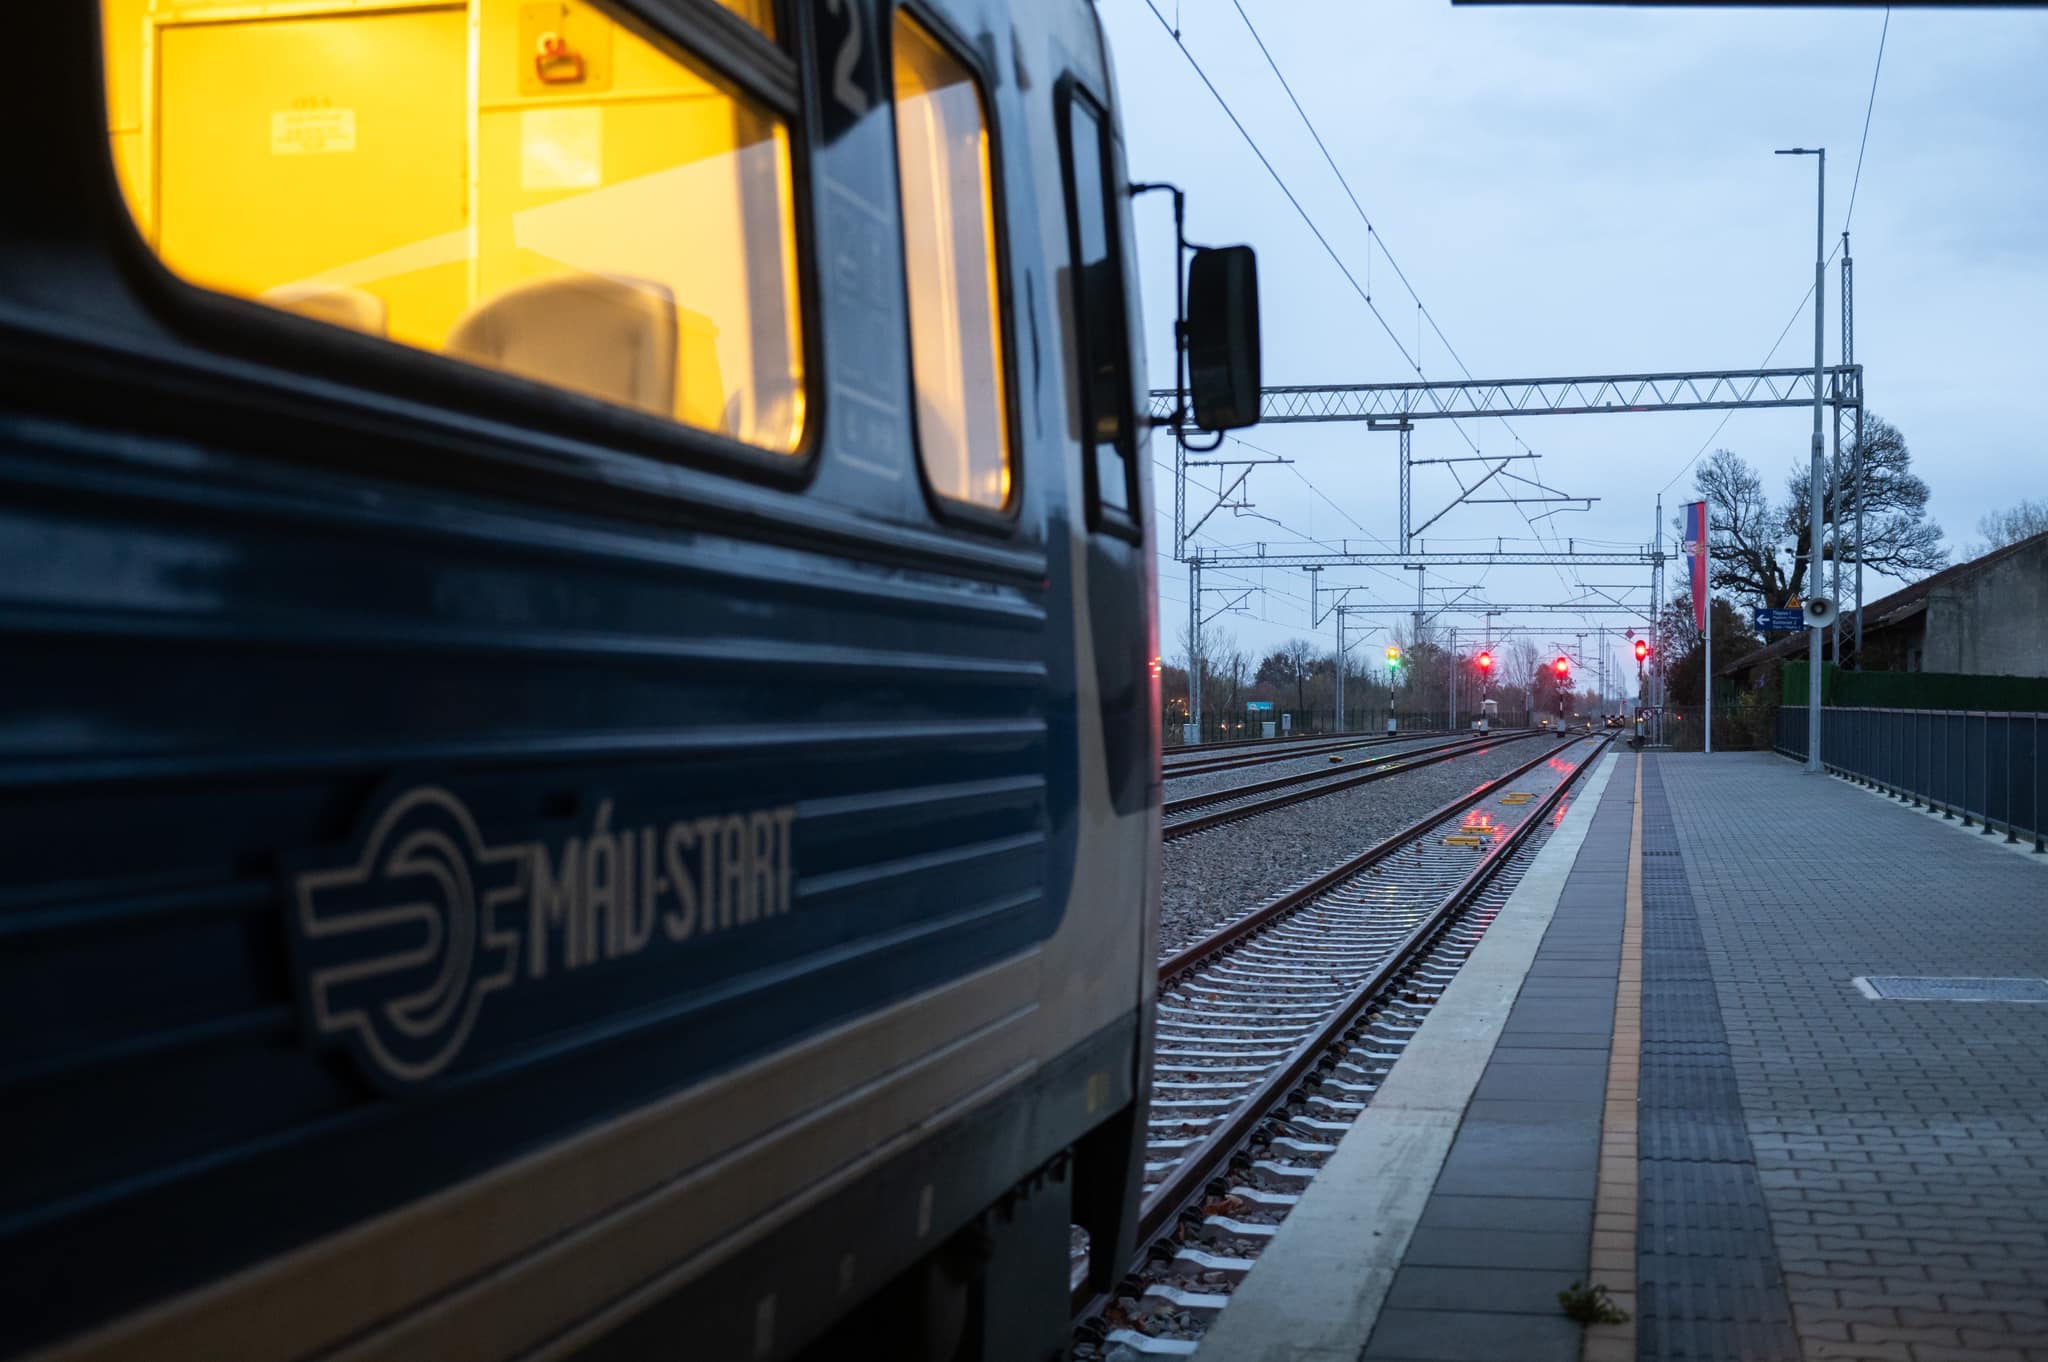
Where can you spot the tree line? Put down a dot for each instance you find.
(1300, 677)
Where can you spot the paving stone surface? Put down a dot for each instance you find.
(1509, 1222)
(1901, 1148)
(1708, 1282)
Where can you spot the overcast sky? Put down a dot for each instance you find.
(1586, 191)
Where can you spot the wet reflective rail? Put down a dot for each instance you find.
(1274, 1032)
(1198, 764)
(1198, 813)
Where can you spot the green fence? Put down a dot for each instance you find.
(1918, 690)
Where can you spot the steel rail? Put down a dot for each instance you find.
(1188, 1181)
(1316, 749)
(1231, 933)
(1192, 1175)
(1189, 803)
(1198, 748)
(1204, 821)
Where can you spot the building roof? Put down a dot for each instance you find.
(1891, 610)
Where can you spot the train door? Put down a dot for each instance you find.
(1119, 576)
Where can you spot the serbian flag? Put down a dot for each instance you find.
(1696, 559)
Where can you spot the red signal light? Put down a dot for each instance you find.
(1562, 667)
(1642, 649)
(1486, 662)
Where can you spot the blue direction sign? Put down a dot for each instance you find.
(1259, 706)
(1777, 621)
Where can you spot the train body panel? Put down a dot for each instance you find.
(489, 876)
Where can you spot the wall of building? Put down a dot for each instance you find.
(1994, 622)
(1899, 648)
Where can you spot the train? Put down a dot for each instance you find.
(580, 768)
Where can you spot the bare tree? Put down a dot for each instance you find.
(1760, 551)
(1898, 538)
(1226, 675)
(1301, 656)
(1189, 643)
(1743, 528)
(1319, 691)
(1517, 665)
(2011, 525)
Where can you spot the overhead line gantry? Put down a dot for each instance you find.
(1398, 406)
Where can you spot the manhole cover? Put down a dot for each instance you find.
(1928, 988)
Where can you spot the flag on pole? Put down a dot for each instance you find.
(1696, 559)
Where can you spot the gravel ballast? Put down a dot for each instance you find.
(1214, 876)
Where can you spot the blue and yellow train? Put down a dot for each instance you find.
(578, 763)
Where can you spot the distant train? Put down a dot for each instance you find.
(581, 772)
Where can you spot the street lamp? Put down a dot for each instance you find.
(1813, 499)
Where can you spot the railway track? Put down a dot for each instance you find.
(1200, 767)
(1274, 1032)
(1199, 813)
(1228, 744)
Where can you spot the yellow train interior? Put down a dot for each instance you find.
(528, 185)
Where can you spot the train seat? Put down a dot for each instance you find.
(610, 337)
(357, 309)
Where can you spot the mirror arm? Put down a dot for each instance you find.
(1182, 248)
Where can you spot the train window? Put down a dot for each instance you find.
(949, 226)
(759, 13)
(1098, 286)
(536, 189)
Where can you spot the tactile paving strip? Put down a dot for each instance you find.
(1691, 1135)
(1687, 1012)
(1708, 1282)
(1695, 1088)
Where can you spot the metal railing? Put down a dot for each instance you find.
(1984, 767)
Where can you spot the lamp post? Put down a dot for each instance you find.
(1817, 472)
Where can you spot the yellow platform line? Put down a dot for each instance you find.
(1614, 1205)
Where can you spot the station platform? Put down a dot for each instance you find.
(1671, 1069)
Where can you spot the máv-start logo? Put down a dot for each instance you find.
(398, 947)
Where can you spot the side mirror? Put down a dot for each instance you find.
(1223, 337)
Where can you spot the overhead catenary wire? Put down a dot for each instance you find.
(1365, 293)
(1415, 360)
(1800, 311)
(1423, 313)
(1373, 233)
(1770, 354)
(1271, 170)
(1868, 105)
(1309, 538)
